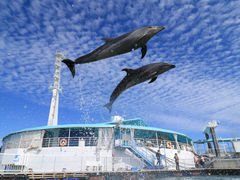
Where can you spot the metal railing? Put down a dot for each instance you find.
(87, 141)
(223, 151)
(139, 149)
(69, 141)
(183, 163)
(164, 144)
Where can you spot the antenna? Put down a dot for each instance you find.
(53, 113)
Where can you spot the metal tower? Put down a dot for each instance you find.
(210, 129)
(53, 113)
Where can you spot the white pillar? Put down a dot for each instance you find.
(175, 137)
(53, 113)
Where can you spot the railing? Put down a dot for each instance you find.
(223, 151)
(69, 141)
(141, 146)
(57, 142)
(87, 141)
(146, 153)
(139, 149)
(164, 144)
(93, 141)
(183, 163)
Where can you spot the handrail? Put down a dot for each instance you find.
(72, 141)
(141, 155)
(221, 150)
(163, 144)
(139, 149)
(90, 141)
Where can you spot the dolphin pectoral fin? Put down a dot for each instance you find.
(144, 51)
(153, 79)
(128, 71)
(71, 65)
(107, 39)
(109, 107)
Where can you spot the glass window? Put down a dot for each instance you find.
(74, 132)
(64, 132)
(48, 134)
(50, 138)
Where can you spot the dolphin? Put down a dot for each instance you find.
(116, 46)
(137, 76)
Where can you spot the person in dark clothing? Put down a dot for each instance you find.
(176, 161)
(202, 162)
(158, 154)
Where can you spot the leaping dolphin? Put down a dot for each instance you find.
(137, 76)
(116, 46)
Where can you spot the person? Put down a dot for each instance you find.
(158, 154)
(202, 162)
(176, 161)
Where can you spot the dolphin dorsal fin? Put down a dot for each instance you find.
(144, 51)
(107, 39)
(128, 71)
(153, 79)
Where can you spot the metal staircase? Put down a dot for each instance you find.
(138, 150)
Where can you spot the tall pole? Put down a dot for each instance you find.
(53, 113)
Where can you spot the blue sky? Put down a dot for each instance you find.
(202, 38)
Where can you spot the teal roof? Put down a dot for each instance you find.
(132, 122)
(136, 123)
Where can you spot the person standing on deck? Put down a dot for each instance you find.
(202, 161)
(158, 157)
(176, 161)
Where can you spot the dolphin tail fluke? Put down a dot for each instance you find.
(109, 107)
(71, 65)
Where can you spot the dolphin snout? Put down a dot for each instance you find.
(156, 29)
(172, 66)
(159, 28)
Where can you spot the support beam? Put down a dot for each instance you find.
(215, 142)
(209, 143)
